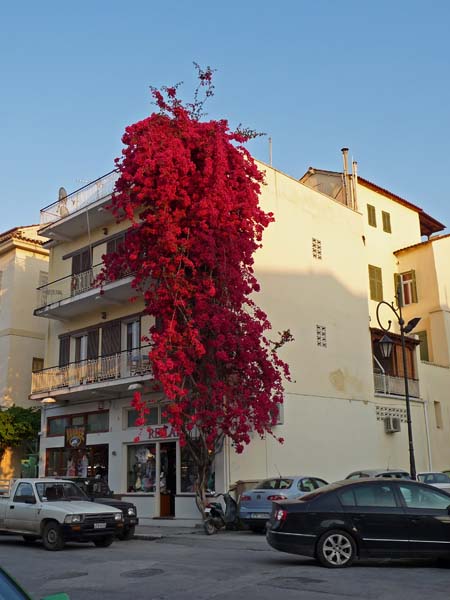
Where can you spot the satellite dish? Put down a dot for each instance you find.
(62, 194)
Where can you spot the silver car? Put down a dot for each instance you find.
(436, 479)
(255, 505)
(389, 473)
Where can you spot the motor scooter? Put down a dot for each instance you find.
(217, 518)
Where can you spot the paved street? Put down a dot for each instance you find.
(227, 565)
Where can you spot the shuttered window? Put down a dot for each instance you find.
(111, 339)
(423, 339)
(64, 351)
(386, 221)
(371, 215)
(113, 245)
(92, 344)
(376, 283)
(81, 262)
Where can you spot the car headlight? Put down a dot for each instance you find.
(118, 516)
(131, 512)
(74, 519)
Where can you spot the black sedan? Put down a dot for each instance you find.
(362, 519)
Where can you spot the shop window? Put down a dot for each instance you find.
(152, 418)
(141, 468)
(376, 283)
(97, 421)
(371, 215)
(189, 473)
(86, 462)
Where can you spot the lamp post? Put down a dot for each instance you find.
(386, 345)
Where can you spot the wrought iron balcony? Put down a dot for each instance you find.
(74, 294)
(395, 386)
(91, 373)
(81, 198)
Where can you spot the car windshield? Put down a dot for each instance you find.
(433, 478)
(55, 491)
(274, 484)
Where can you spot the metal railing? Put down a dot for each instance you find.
(96, 190)
(395, 386)
(129, 363)
(70, 286)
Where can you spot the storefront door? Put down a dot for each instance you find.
(167, 478)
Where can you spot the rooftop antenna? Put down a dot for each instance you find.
(270, 151)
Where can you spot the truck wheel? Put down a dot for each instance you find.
(104, 542)
(29, 539)
(52, 536)
(127, 534)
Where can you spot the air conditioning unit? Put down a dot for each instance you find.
(392, 424)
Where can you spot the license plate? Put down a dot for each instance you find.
(99, 525)
(259, 516)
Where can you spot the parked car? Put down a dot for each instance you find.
(393, 473)
(436, 479)
(255, 505)
(11, 590)
(98, 491)
(365, 518)
(56, 511)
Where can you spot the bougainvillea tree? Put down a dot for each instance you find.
(191, 191)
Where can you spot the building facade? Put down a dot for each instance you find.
(23, 268)
(339, 245)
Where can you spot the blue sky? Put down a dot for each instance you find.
(315, 76)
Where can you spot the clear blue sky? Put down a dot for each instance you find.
(315, 75)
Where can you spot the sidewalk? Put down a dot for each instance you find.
(155, 532)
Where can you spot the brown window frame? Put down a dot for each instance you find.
(85, 421)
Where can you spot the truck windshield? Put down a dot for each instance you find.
(57, 491)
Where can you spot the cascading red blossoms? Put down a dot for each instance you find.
(191, 191)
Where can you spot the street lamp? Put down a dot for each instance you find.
(386, 345)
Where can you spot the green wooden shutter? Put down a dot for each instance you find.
(397, 285)
(423, 339)
(386, 221)
(413, 287)
(371, 215)
(376, 283)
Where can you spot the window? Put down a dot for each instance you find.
(64, 351)
(24, 492)
(317, 249)
(307, 485)
(438, 415)
(274, 484)
(386, 221)
(133, 334)
(111, 339)
(114, 244)
(142, 468)
(423, 339)
(57, 425)
(152, 418)
(376, 283)
(86, 345)
(321, 336)
(405, 284)
(368, 496)
(37, 364)
(416, 496)
(81, 262)
(97, 421)
(371, 215)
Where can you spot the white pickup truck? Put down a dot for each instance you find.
(56, 511)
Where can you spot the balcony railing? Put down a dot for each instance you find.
(129, 363)
(88, 194)
(395, 386)
(70, 286)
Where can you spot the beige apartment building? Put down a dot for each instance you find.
(23, 268)
(339, 245)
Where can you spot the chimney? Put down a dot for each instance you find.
(346, 178)
(355, 183)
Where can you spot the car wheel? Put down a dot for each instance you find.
(29, 539)
(104, 542)
(336, 549)
(52, 536)
(127, 534)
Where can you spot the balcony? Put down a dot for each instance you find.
(76, 213)
(389, 385)
(93, 379)
(80, 293)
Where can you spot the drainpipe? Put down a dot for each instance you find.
(346, 187)
(427, 429)
(355, 184)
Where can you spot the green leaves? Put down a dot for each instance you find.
(18, 425)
